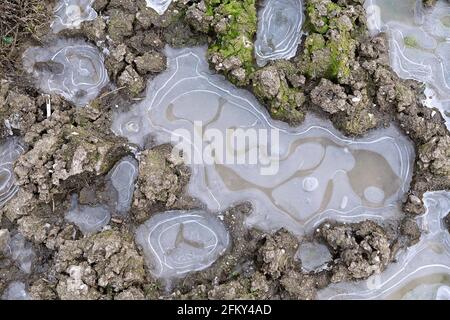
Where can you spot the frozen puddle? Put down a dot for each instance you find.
(16, 291)
(73, 69)
(160, 6)
(295, 178)
(179, 242)
(89, 219)
(422, 271)
(279, 30)
(10, 150)
(419, 44)
(122, 180)
(69, 14)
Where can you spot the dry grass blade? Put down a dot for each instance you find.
(20, 20)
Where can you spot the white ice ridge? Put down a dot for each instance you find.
(16, 291)
(419, 41)
(280, 25)
(301, 175)
(69, 14)
(73, 69)
(179, 242)
(88, 219)
(10, 150)
(122, 179)
(160, 6)
(421, 272)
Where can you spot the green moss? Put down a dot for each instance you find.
(327, 54)
(237, 39)
(287, 105)
(410, 42)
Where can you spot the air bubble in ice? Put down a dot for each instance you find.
(313, 256)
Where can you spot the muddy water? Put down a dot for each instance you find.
(295, 177)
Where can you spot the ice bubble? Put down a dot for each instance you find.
(16, 291)
(294, 177)
(123, 178)
(21, 251)
(443, 293)
(88, 219)
(160, 6)
(10, 150)
(279, 30)
(73, 69)
(179, 242)
(69, 14)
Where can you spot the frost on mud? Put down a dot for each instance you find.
(10, 150)
(122, 179)
(310, 173)
(279, 30)
(179, 242)
(419, 44)
(159, 6)
(421, 272)
(73, 69)
(89, 219)
(69, 14)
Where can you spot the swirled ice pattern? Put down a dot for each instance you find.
(303, 175)
(69, 14)
(123, 178)
(16, 291)
(280, 25)
(73, 69)
(90, 219)
(422, 272)
(159, 6)
(419, 41)
(10, 150)
(179, 242)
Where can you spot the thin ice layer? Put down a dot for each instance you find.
(122, 180)
(10, 150)
(279, 30)
(159, 6)
(179, 242)
(69, 14)
(295, 177)
(16, 291)
(89, 219)
(73, 69)
(421, 272)
(419, 44)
